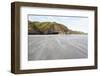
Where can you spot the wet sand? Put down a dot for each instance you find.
(51, 47)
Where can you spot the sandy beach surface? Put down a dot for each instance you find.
(51, 47)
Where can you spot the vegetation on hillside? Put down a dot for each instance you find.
(49, 28)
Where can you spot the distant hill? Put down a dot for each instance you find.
(49, 28)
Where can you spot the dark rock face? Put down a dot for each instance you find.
(46, 28)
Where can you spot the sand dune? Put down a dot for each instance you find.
(43, 47)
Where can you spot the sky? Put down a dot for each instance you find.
(76, 23)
